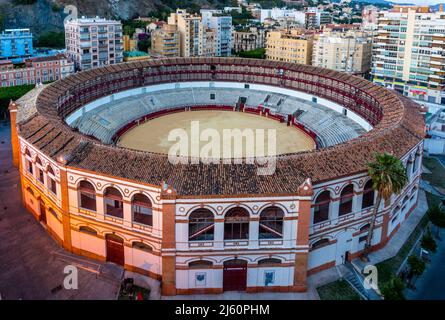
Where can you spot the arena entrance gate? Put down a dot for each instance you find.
(42, 217)
(235, 275)
(115, 249)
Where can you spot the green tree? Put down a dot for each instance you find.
(416, 265)
(428, 242)
(437, 217)
(393, 289)
(388, 176)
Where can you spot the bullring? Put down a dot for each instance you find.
(207, 228)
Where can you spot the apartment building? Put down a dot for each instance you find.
(222, 24)
(36, 70)
(409, 52)
(348, 51)
(248, 39)
(129, 43)
(289, 46)
(165, 41)
(16, 43)
(210, 42)
(94, 42)
(191, 32)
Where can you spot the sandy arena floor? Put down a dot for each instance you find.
(153, 135)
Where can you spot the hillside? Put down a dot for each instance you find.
(47, 15)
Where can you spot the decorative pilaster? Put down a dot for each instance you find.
(305, 192)
(168, 198)
(14, 135)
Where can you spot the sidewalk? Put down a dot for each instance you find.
(397, 241)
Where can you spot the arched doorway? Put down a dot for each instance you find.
(42, 217)
(115, 249)
(235, 275)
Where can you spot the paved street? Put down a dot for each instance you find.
(431, 285)
(31, 262)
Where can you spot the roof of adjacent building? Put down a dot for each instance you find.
(399, 130)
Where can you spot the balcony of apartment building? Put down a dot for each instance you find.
(102, 30)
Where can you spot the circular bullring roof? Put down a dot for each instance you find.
(397, 125)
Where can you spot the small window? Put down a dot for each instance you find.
(246, 86)
(269, 261)
(200, 264)
(212, 96)
(29, 165)
(142, 246)
(53, 213)
(52, 185)
(320, 243)
(314, 99)
(40, 175)
(362, 238)
(88, 230)
(365, 227)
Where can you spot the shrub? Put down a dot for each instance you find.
(428, 242)
(436, 216)
(416, 265)
(393, 289)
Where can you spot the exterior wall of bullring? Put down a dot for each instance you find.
(168, 253)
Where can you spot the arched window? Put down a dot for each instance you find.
(88, 230)
(201, 225)
(200, 264)
(404, 202)
(368, 195)
(416, 162)
(269, 261)
(321, 207)
(141, 246)
(30, 191)
(236, 224)
(320, 243)
(142, 209)
(114, 206)
(52, 186)
(271, 223)
(365, 227)
(346, 200)
(87, 195)
(28, 162)
(38, 161)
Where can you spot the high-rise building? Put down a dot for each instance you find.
(165, 41)
(191, 32)
(210, 42)
(248, 39)
(222, 24)
(409, 52)
(16, 43)
(289, 46)
(94, 42)
(343, 51)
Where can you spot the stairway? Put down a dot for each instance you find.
(356, 280)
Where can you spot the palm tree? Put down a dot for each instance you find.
(388, 176)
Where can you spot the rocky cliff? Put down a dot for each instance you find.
(48, 15)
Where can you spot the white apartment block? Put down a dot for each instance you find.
(222, 24)
(343, 51)
(409, 52)
(94, 42)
